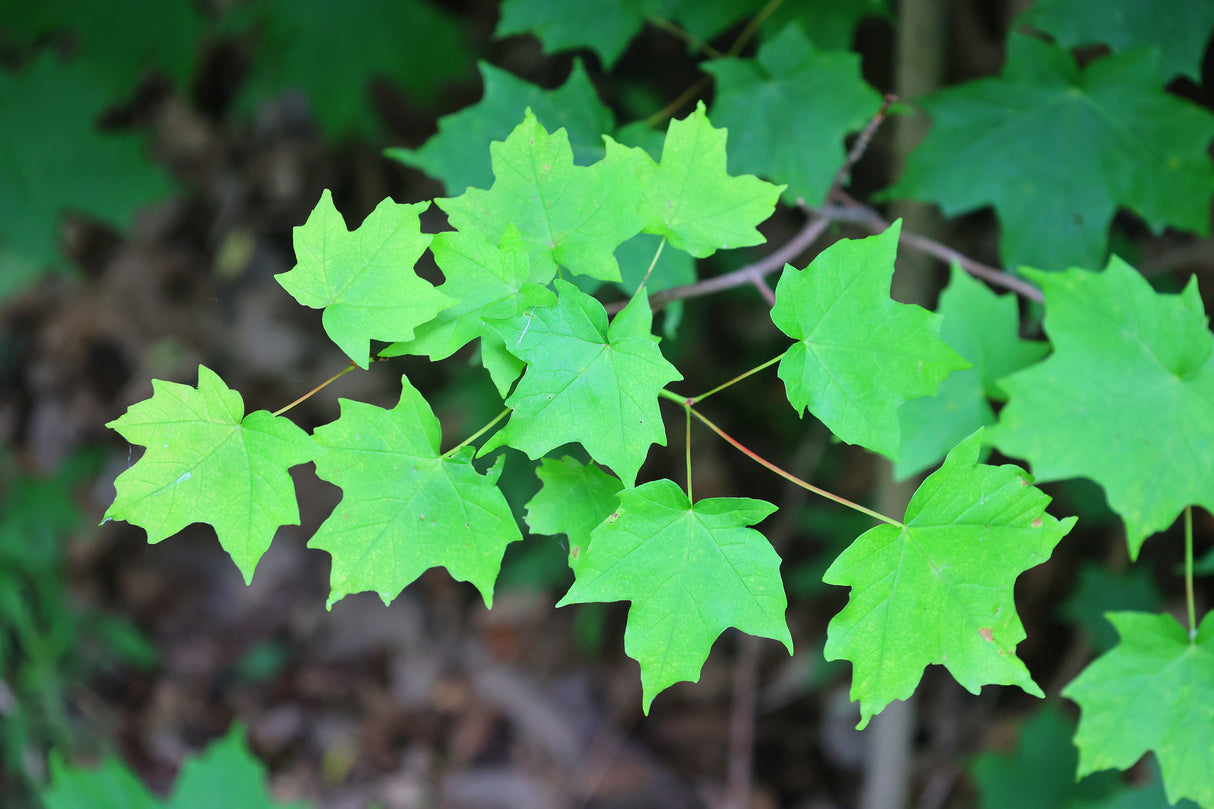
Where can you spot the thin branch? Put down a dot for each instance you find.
(316, 389)
(794, 247)
(857, 214)
(861, 145)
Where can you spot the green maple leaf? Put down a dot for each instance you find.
(572, 216)
(938, 589)
(1072, 146)
(1127, 398)
(788, 109)
(586, 381)
(225, 774)
(1040, 772)
(690, 570)
(982, 327)
(457, 156)
(206, 461)
(859, 354)
(53, 159)
(604, 26)
(573, 499)
(332, 49)
(1180, 34)
(689, 196)
(405, 507)
(363, 280)
(485, 281)
(121, 40)
(1153, 692)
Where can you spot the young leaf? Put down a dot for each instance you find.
(586, 381)
(690, 198)
(457, 155)
(939, 588)
(485, 281)
(573, 500)
(1127, 398)
(983, 328)
(788, 110)
(690, 570)
(572, 216)
(404, 507)
(859, 354)
(363, 280)
(1153, 692)
(1180, 35)
(208, 462)
(1112, 137)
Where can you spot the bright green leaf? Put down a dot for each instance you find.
(208, 462)
(404, 507)
(485, 281)
(586, 381)
(690, 571)
(1180, 32)
(363, 280)
(939, 588)
(788, 109)
(690, 198)
(1127, 398)
(1153, 692)
(457, 154)
(1072, 145)
(573, 500)
(53, 159)
(572, 216)
(332, 49)
(984, 329)
(859, 355)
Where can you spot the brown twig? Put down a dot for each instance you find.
(741, 276)
(857, 214)
(860, 146)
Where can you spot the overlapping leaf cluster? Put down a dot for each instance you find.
(1126, 397)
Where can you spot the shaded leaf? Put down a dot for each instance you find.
(1073, 145)
(457, 155)
(983, 328)
(788, 109)
(1127, 398)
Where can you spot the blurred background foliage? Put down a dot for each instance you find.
(154, 155)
